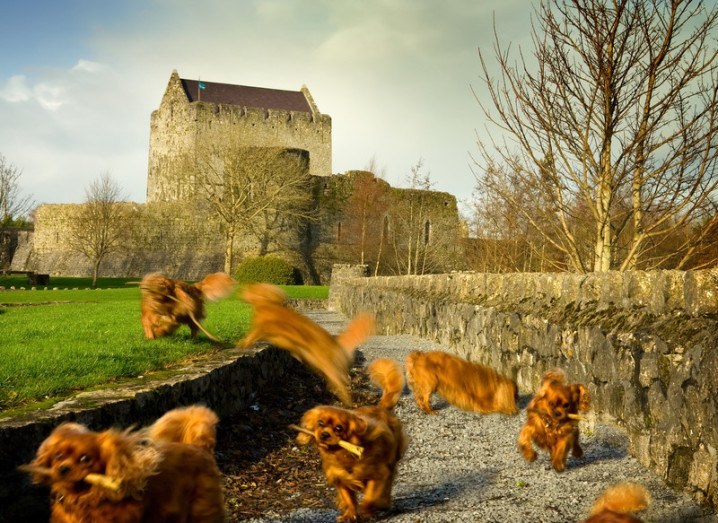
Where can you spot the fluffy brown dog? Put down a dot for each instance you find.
(552, 419)
(166, 303)
(376, 429)
(287, 329)
(194, 425)
(618, 503)
(466, 385)
(122, 477)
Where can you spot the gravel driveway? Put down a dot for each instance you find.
(464, 466)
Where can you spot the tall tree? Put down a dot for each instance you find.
(259, 192)
(100, 225)
(363, 217)
(615, 119)
(14, 207)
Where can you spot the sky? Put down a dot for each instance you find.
(80, 78)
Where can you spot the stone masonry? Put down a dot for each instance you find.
(644, 343)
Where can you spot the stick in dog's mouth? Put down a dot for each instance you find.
(100, 480)
(354, 449)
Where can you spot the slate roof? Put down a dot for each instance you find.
(246, 96)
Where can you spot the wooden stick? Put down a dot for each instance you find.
(576, 417)
(34, 469)
(103, 481)
(354, 449)
(100, 480)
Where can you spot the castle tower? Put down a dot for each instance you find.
(230, 116)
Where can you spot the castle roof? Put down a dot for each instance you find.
(246, 96)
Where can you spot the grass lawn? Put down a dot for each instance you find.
(55, 342)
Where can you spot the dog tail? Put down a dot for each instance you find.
(194, 425)
(255, 293)
(387, 374)
(358, 330)
(623, 498)
(216, 286)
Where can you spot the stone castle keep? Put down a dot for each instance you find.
(246, 116)
(174, 234)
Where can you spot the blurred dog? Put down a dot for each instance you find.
(194, 425)
(166, 303)
(618, 503)
(276, 323)
(552, 420)
(123, 477)
(376, 429)
(466, 385)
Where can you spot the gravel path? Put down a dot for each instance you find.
(464, 466)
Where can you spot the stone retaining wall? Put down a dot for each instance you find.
(226, 381)
(644, 343)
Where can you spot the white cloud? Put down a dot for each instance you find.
(16, 90)
(88, 66)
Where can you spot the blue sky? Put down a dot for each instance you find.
(79, 79)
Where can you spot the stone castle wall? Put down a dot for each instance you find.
(644, 343)
(165, 237)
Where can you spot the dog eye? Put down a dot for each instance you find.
(338, 429)
(85, 458)
(320, 423)
(59, 455)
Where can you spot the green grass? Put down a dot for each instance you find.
(55, 342)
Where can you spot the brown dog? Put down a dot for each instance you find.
(194, 425)
(166, 303)
(551, 422)
(376, 429)
(618, 503)
(287, 329)
(466, 385)
(125, 478)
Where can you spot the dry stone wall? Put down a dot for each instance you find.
(644, 343)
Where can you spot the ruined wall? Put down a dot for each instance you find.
(644, 343)
(165, 237)
(178, 126)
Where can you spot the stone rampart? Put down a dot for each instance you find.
(644, 343)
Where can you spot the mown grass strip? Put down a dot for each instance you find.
(54, 343)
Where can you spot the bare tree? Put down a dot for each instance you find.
(422, 226)
(614, 120)
(262, 192)
(363, 216)
(14, 207)
(100, 224)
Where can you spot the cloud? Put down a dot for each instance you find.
(16, 90)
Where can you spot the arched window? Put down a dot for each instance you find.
(427, 232)
(385, 229)
(339, 232)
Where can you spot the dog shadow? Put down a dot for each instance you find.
(606, 444)
(523, 401)
(435, 495)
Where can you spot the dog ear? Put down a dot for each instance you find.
(309, 422)
(583, 397)
(357, 425)
(128, 458)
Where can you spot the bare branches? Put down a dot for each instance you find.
(13, 205)
(261, 192)
(612, 119)
(100, 224)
